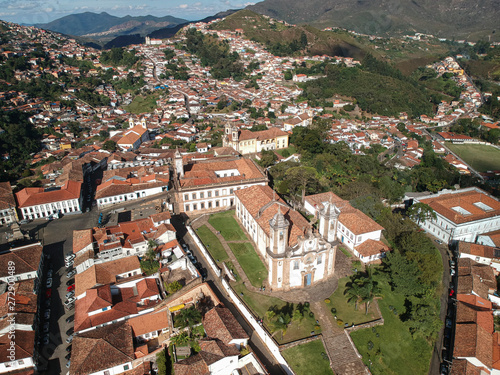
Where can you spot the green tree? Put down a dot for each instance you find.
(353, 292)
(288, 75)
(109, 145)
(281, 323)
(420, 212)
(187, 317)
(404, 274)
(173, 287)
(302, 179)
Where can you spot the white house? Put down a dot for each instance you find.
(461, 215)
(358, 232)
(35, 203)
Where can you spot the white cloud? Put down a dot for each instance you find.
(183, 6)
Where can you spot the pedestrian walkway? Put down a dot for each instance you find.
(343, 356)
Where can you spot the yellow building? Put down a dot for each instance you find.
(247, 142)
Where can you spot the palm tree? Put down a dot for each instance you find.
(281, 324)
(180, 339)
(353, 292)
(369, 288)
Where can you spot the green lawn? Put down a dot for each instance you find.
(142, 104)
(306, 359)
(250, 262)
(291, 149)
(260, 303)
(346, 252)
(227, 225)
(345, 311)
(394, 351)
(481, 157)
(212, 243)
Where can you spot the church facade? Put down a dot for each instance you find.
(295, 255)
(247, 142)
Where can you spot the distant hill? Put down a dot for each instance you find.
(104, 25)
(261, 29)
(459, 19)
(169, 32)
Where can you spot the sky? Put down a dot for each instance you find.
(43, 11)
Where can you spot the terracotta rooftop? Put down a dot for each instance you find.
(24, 345)
(221, 324)
(104, 273)
(26, 258)
(82, 239)
(6, 196)
(107, 347)
(472, 204)
(472, 340)
(262, 203)
(35, 196)
(204, 173)
(155, 321)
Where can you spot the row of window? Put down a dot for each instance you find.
(201, 195)
(50, 207)
(208, 205)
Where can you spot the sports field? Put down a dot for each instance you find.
(481, 157)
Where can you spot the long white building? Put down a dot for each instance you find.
(36, 203)
(461, 215)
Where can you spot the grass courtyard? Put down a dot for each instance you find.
(227, 225)
(391, 348)
(250, 262)
(212, 244)
(260, 304)
(481, 157)
(306, 359)
(345, 312)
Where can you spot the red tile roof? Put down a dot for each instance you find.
(220, 323)
(444, 203)
(35, 196)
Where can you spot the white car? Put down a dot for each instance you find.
(70, 301)
(71, 274)
(69, 257)
(70, 294)
(48, 284)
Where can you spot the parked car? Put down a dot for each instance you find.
(48, 284)
(70, 319)
(67, 356)
(452, 272)
(24, 221)
(46, 339)
(68, 364)
(49, 272)
(452, 263)
(48, 293)
(69, 339)
(70, 288)
(71, 300)
(46, 327)
(47, 303)
(69, 265)
(69, 257)
(71, 274)
(448, 323)
(68, 348)
(70, 282)
(46, 315)
(70, 306)
(69, 295)
(439, 241)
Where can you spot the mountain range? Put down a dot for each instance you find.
(105, 26)
(459, 19)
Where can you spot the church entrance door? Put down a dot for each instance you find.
(307, 279)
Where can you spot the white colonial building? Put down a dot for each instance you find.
(461, 215)
(358, 232)
(210, 185)
(35, 203)
(294, 255)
